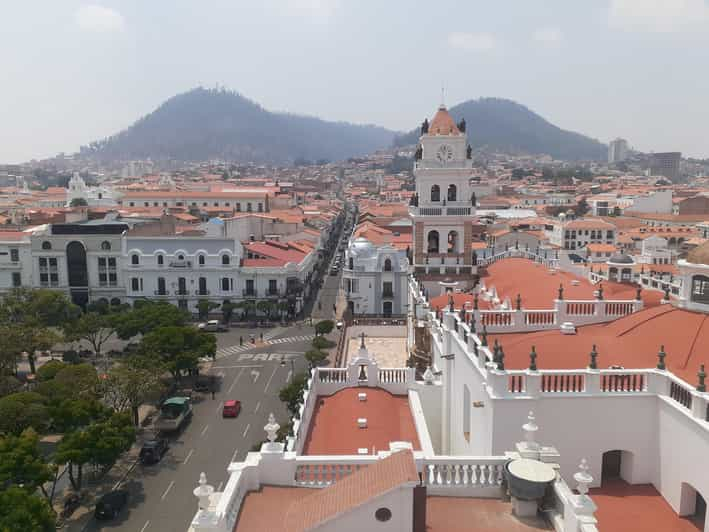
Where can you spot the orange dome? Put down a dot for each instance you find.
(443, 123)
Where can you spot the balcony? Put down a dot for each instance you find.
(180, 264)
(182, 293)
(249, 292)
(272, 293)
(162, 293)
(201, 292)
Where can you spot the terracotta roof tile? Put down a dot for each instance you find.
(443, 123)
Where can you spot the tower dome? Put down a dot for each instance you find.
(443, 123)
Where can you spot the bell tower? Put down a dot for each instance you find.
(443, 207)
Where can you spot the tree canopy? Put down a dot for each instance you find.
(180, 347)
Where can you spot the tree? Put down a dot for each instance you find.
(22, 410)
(78, 202)
(315, 357)
(49, 308)
(204, 307)
(20, 510)
(228, 310)
(133, 383)
(93, 327)
(320, 342)
(265, 307)
(22, 464)
(148, 316)
(292, 393)
(99, 444)
(50, 370)
(324, 327)
(248, 308)
(179, 347)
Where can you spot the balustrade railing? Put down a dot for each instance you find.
(516, 384)
(319, 472)
(540, 317)
(563, 382)
(393, 375)
(492, 318)
(623, 382)
(580, 308)
(681, 394)
(618, 308)
(463, 472)
(332, 375)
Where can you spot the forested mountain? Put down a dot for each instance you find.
(503, 125)
(207, 124)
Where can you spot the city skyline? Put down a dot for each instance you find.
(604, 69)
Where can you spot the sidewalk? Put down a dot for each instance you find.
(94, 489)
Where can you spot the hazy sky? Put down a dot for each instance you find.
(73, 71)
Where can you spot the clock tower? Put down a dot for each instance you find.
(443, 208)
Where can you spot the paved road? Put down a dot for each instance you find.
(161, 495)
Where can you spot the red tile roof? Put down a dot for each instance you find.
(443, 123)
(333, 427)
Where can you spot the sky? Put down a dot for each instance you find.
(73, 71)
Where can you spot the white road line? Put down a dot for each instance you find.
(167, 490)
(233, 456)
(290, 374)
(257, 405)
(238, 366)
(219, 488)
(235, 379)
(187, 459)
(246, 430)
(265, 390)
(145, 526)
(204, 429)
(255, 374)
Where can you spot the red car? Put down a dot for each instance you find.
(231, 408)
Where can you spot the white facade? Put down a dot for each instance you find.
(617, 150)
(374, 279)
(655, 250)
(15, 262)
(99, 196)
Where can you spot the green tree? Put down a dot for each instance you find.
(179, 347)
(324, 327)
(26, 512)
(265, 307)
(22, 410)
(248, 308)
(22, 464)
(292, 393)
(78, 202)
(49, 370)
(99, 444)
(228, 311)
(204, 307)
(148, 316)
(315, 357)
(132, 383)
(320, 342)
(93, 327)
(49, 308)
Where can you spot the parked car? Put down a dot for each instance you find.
(212, 326)
(231, 408)
(110, 504)
(153, 450)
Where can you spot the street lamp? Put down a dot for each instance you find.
(292, 366)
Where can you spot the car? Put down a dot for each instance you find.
(153, 450)
(212, 326)
(231, 408)
(110, 504)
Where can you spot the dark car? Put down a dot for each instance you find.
(110, 504)
(152, 450)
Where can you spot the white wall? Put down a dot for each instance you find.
(399, 501)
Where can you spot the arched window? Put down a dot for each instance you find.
(46, 245)
(106, 245)
(433, 242)
(200, 260)
(452, 193)
(134, 259)
(180, 257)
(161, 260)
(387, 265)
(225, 260)
(453, 242)
(435, 193)
(351, 263)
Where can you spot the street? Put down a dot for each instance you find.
(161, 495)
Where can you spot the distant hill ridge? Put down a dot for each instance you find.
(204, 124)
(509, 127)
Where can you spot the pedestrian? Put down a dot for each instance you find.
(261, 336)
(241, 340)
(212, 393)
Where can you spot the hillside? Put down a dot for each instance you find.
(207, 124)
(504, 125)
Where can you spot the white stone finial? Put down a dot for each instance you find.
(271, 428)
(583, 478)
(203, 492)
(428, 375)
(530, 429)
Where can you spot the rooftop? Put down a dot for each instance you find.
(333, 428)
(465, 514)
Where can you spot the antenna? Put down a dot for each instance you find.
(443, 96)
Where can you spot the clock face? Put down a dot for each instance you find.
(445, 153)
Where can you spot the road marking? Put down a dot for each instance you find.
(265, 390)
(255, 375)
(147, 523)
(239, 366)
(167, 490)
(233, 456)
(204, 429)
(219, 488)
(257, 405)
(290, 374)
(246, 430)
(235, 379)
(187, 459)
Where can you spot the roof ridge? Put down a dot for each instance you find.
(694, 341)
(638, 324)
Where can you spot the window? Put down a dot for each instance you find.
(203, 286)
(106, 245)
(180, 257)
(238, 207)
(134, 259)
(382, 514)
(146, 203)
(46, 245)
(227, 204)
(225, 260)
(200, 260)
(387, 289)
(452, 192)
(131, 204)
(48, 271)
(16, 279)
(15, 255)
(435, 193)
(351, 263)
(135, 284)
(204, 204)
(155, 204)
(225, 284)
(433, 242)
(260, 207)
(161, 260)
(700, 289)
(355, 286)
(216, 204)
(161, 286)
(250, 291)
(181, 286)
(248, 207)
(387, 265)
(272, 286)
